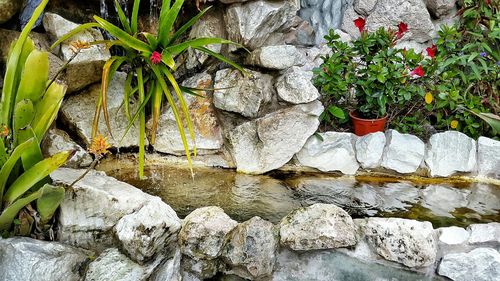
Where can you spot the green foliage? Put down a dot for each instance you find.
(28, 106)
(153, 61)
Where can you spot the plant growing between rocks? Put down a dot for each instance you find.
(28, 106)
(152, 61)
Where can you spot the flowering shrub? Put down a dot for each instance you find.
(368, 75)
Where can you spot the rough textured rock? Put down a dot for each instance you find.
(450, 152)
(482, 264)
(276, 57)
(254, 23)
(488, 157)
(9, 8)
(211, 25)
(295, 86)
(408, 242)
(208, 134)
(28, 259)
(76, 113)
(113, 265)
(453, 235)
(348, 22)
(86, 67)
(364, 7)
(169, 270)
(403, 153)
(93, 206)
(439, 8)
(242, 94)
(203, 232)
(323, 15)
(485, 233)
(250, 249)
(369, 150)
(270, 142)
(332, 151)
(146, 232)
(58, 140)
(320, 226)
(389, 13)
(194, 269)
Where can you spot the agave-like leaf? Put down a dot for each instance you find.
(490, 118)
(167, 23)
(11, 79)
(36, 173)
(187, 25)
(73, 32)
(9, 214)
(168, 60)
(46, 110)
(3, 154)
(24, 112)
(153, 42)
(123, 36)
(123, 17)
(198, 42)
(34, 77)
(11, 162)
(49, 200)
(32, 155)
(135, 16)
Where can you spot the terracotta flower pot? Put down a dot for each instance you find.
(366, 126)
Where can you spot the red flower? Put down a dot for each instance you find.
(360, 23)
(402, 29)
(488, 2)
(431, 52)
(155, 57)
(419, 71)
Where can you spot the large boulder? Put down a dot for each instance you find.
(254, 23)
(404, 153)
(146, 232)
(243, 94)
(481, 264)
(250, 249)
(28, 259)
(208, 134)
(58, 140)
(270, 142)
(320, 226)
(203, 233)
(77, 114)
(295, 86)
(86, 67)
(408, 242)
(488, 157)
(276, 57)
(8, 8)
(330, 151)
(93, 206)
(369, 150)
(450, 152)
(485, 233)
(439, 8)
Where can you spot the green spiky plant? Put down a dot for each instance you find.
(153, 62)
(28, 106)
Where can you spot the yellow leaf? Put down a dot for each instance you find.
(428, 98)
(454, 124)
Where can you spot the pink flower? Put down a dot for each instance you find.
(155, 57)
(419, 71)
(360, 23)
(431, 52)
(402, 29)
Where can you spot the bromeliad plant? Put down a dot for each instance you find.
(152, 59)
(28, 106)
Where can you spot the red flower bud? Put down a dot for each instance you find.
(402, 29)
(360, 23)
(419, 71)
(155, 57)
(431, 52)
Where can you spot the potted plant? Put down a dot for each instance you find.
(369, 79)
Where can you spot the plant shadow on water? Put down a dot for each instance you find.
(274, 195)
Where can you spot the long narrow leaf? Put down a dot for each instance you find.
(32, 176)
(142, 122)
(198, 42)
(221, 58)
(126, 38)
(10, 213)
(155, 110)
(135, 15)
(123, 17)
(48, 201)
(47, 109)
(187, 25)
(167, 23)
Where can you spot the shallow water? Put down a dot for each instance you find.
(273, 196)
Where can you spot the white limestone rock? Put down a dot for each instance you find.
(369, 150)
(271, 141)
(404, 153)
(439, 8)
(331, 151)
(488, 157)
(450, 152)
(295, 86)
(276, 57)
(481, 264)
(320, 226)
(169, 270)
(58, 140)
(485, 233)
(453, 235)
